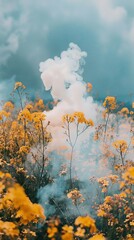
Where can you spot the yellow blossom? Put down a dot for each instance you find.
(9, 229)
(80, 232)
(19, 85)
(101, 213)
(120, 145)
(67, 233)
(24, 149)
(97, 237)
(110, 103)
(8, 106)
(52, 231)
(76, 196)
(86, 221)
(124, 111)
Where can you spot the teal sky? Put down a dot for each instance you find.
(32, 31)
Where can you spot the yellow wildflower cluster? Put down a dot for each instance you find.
(76, 196)
(9, 229)
(24, 150)
(52, 229)
(98, 237)
(67, 232)
(131, 113)
(113, 178)
(110, 103)
(39, 104)
(124, 111)
(79, 117)
(38, 117)
(112, 207)
(120, 145)
(86, 222)
(23, 131)
(17, 206)
(80, 232)
(106, 182)
(128, 176)
(19, 85)
(103, 183)
(25, 115)
(83, 228)
(8, 106)
(4, 114)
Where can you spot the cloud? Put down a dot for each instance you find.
(109, 13)
(10, 29)
(9, 48)
(4, 89)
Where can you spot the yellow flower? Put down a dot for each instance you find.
(76, 196)
(97, 237)
(68, 118)
(124, 111)
(29, 106)
(129, 237)
(25, 115)
(123, 195)
(110, 103)
(2, 187)
(7, 175)
(113, 178)
(37, 117)
(8, 106)
(120, 145)
(67, 236)
(101, 213)
(67, 233)
(108, 199)
(67, 228)
(52, 231)
(9, 229)
(80, 232)
(19, 85)
(89, 122)
(86, 221)
(3, 114)
(79, 117)
(129, 175)
(24, 149)
(131, 172)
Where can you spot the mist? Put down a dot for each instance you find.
(63, 77)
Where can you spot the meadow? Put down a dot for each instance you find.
(66, 166)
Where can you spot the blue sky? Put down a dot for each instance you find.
(31, 32)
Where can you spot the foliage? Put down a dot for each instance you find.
(26, 167)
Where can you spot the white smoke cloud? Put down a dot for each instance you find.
(63, 76)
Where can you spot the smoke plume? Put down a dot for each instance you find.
(62, 76)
